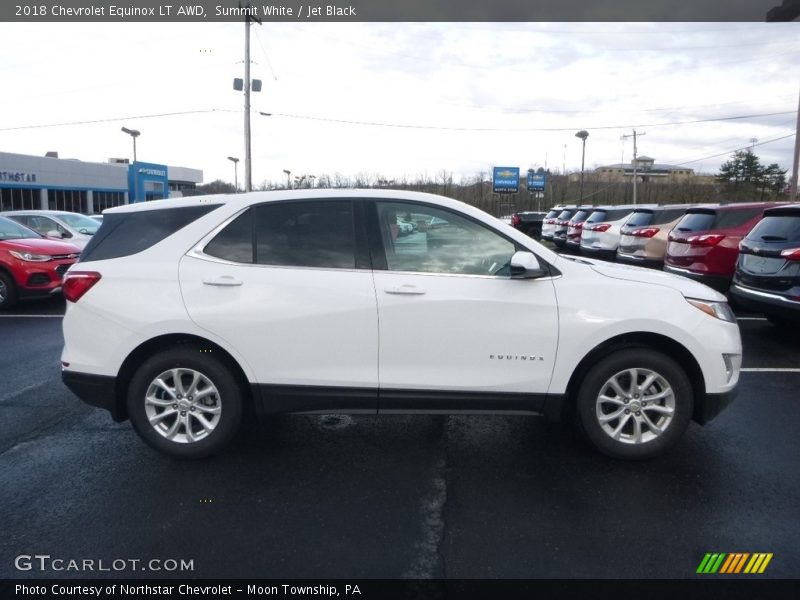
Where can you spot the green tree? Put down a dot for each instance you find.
(744, 167)
(773, 178)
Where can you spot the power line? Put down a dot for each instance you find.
(520, 129)
(111, 119)
(737, 149)
(266, 56)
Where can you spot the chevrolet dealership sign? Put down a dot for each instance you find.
(505, 180)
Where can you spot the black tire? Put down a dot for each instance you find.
(218, 376)
(8, 291)
(650, 443)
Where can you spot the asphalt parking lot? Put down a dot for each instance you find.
(389, 497)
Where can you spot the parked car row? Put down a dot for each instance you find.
(751, 250)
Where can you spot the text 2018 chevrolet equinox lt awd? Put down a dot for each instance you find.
(184, 315)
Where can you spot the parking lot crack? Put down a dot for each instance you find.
(429, 562)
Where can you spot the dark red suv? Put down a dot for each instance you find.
(30, 264)
(704, 245)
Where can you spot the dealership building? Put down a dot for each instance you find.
(52, 183)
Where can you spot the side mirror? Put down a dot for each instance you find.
(55, 234)
(524, 265)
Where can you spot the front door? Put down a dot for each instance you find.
(451, 318)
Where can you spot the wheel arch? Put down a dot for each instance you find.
(654, 341)
(167, 342)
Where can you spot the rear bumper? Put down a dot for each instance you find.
(603, 253)
(718, 282)
(765, 302)
(712, 405)
(96, 390)
(632, 259)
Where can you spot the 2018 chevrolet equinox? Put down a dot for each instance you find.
(184, 315)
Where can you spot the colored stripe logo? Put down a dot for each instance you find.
(732, 563)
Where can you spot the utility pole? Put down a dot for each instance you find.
(796, 165)
(248, 168)
(635, 134)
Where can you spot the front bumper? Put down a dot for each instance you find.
(713, 404)
(96, 390)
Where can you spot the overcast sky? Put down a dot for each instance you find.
(460, 97)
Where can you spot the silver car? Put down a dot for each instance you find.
(57, 224)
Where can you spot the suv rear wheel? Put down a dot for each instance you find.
(635, 404)
(185, 402)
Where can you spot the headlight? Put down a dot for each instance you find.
(30, 256)
(719, 310)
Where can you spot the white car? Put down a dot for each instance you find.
(78, 229)
(602, 230)
(302, 301)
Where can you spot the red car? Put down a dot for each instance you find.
(704, 245)
(30, 264)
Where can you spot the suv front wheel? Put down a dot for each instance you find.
(185, 402)
(635, 404)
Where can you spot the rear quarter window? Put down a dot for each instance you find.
(126, 233)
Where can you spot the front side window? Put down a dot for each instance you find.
(425, 239)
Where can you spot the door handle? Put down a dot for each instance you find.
(407, 289)
(223, 281)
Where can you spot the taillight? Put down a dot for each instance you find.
(791, 254)
(708, 239)
(647, 232)
(515, 220)
(601, 227)
(77, 283)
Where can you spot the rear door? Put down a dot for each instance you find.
(288, 286)
(451, 318)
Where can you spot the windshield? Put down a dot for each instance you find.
(11, 230)
(80, 223)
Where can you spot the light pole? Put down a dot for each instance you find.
(583, 134)
(288, 179)
(235, 162)
(134, 133)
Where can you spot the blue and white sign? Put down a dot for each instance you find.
(505, 180)
(536, 182)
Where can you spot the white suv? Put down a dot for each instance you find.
(184, 315)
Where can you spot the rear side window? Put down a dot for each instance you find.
(782, 228)
(640, 218)
(123, 234)
(235, 242)
(290, 234)
(306, 234)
